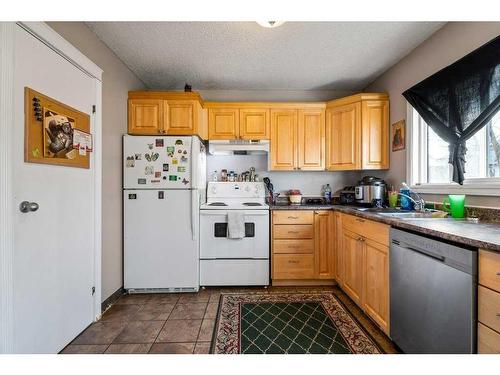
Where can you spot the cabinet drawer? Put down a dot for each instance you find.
(293, 231)
(293, 217)
(488, 341)
(373, 230)
(293, 246)
(292, 267)
(489, 269)
(489, 308)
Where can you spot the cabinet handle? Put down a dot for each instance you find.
(293, 261)
(293, 217)
(498, 273)
(498, 314)
(293, 246)
(360, 220)
(292, 232)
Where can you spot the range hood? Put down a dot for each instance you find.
(238, 147)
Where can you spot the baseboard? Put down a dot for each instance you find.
(303, 282)
(112, 299)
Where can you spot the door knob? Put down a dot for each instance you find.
(26, 206)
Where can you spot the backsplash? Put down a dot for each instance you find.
(309, 183)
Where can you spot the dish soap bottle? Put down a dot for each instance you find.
(214, 176)
(328, 194)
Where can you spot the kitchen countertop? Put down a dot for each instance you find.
(476, 234)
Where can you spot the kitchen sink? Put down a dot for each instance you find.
(412, 215)
(402, 214)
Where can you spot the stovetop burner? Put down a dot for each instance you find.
(217, 204)
(252, 204)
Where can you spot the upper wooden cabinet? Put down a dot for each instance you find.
(283, 139)
(375, 134)
(298, 139)
(223, 123)
(247, 121)
(311, 139)
(254, 123)
(166, 113)
(343, 137)
(145, 116)
(357, 132)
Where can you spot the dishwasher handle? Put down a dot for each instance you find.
(420, 251)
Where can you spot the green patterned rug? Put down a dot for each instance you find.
(287, 324)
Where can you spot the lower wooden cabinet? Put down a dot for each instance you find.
(376, 283)
(488, 333)
(303, 247)
(363, 266)
(324, 243)
(353, 265)
(488, 341)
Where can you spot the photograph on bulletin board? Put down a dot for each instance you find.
(55, 133)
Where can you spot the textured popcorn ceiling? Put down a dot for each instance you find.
(246, 56)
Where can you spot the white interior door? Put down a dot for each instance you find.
(53, 260)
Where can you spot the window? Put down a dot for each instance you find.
(428, 167)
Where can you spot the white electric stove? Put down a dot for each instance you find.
(227, 261)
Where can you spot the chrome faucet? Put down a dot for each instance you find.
(419, 203)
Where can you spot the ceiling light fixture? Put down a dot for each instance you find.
(270, 24)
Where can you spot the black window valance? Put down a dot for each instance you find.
(460, 99)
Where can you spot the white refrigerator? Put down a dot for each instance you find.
(164, 183)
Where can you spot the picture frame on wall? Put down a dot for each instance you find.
(398, 133)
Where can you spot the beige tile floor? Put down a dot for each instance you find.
(177, 323)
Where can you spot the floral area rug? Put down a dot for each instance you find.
(288, 323)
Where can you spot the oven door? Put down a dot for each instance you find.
(214, 243)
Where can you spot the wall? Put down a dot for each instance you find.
(309, 183)
(271, 95)
(450, 43)
(117, 81)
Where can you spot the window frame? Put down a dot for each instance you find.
(416, 166)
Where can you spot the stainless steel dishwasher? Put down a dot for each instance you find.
(433, 288)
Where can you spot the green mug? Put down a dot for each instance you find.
(456, 205)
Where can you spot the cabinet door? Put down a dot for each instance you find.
(311, 139)
(145, 116)
(375, 134)
(339, 249)
(353, 265)
(181, 117)
(376, 283)
(223, 123)
(254, 123)
(323, 244)
(343, 137)
(283, 140)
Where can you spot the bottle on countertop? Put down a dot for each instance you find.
(214, 176)
(223, 175)
(328, 194)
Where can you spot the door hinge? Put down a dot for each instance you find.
(93, 108)
(93, 290)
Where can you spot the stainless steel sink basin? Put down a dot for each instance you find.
(402, 214)
(410, 215)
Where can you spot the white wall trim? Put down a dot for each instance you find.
(56, 42)
(6, 193)
(97, 172)
(415, 174)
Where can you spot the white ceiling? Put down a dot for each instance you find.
(246, 56)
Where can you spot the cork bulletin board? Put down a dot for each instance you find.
(55, 133)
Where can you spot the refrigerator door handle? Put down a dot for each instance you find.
(194, 213)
